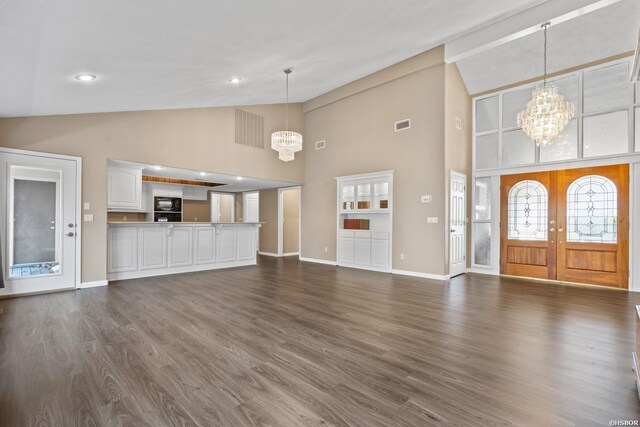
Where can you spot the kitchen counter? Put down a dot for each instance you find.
(144, 249)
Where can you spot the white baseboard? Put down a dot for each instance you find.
(421, 275)
(291, 254)
(318, 261)
(95, 284)
(268, 254)
(482, 271)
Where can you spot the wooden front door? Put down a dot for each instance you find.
(527, 206)
(593, 231)
(569, 225)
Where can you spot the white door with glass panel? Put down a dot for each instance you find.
(457, 224)
(39, 233)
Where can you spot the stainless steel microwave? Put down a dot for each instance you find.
(167, 204)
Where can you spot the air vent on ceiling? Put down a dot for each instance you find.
(249, 129)
(403, 124)
(320, 144)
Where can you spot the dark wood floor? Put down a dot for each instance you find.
(288, 343)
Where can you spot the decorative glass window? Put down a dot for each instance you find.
(528, 209)
(592, 210)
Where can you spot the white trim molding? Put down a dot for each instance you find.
(94, 284)
(440, 277)
(271, 254)
(318, 261)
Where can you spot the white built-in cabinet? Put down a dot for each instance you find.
(194, 193)
(365, 202)
(124, 188)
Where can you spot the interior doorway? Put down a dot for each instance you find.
(39, 230)
(251, 211)
(289, 221)
(569, 225)
(223, 207)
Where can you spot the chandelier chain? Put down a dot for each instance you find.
(545, 26)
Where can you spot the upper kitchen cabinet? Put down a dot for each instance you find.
(124, 188)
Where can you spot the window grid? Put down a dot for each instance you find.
(634, 98)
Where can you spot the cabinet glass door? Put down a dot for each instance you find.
(347, 197)
(381, 195)
(364, 196)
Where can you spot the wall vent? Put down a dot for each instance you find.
(249, 129)
(403, 124)
(320, 144)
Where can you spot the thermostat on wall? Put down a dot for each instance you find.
(426, 199)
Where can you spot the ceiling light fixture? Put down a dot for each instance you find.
(203, 174)
(239, 178)
(84, 77)
(235, 80)
(286, 142)
(547, 114)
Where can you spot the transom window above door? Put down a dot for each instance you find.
(528, 207)
(592, 210)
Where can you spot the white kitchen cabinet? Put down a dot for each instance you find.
(181, 246)
(153, 244)
(205, 245)
(246, 243)
(167, 190)
(227, 246)
(365, 220)
(153, 249)
(124, 188)
(123, 249)
(194, 193)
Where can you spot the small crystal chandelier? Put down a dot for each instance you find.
(286, 142)
(547, 114)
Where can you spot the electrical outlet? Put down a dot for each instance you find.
(195, 219)
(326, 249)
(401, 257)
(124, 217)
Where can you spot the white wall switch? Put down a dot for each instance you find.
(426, 199)
(432, 220)
(401, 257)
(87, 206)
(88, 218)
(326, 249)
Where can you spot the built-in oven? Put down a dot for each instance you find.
(167, 217)
(167, 204)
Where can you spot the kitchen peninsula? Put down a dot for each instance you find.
(143, 249)
(148, 231)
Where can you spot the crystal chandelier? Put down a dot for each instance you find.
(286, 142)
(547, 114)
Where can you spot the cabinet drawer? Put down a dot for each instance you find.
(379, 235)
(344, 233)
(362, 234)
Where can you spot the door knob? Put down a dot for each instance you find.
(452, 230)
(71, 234)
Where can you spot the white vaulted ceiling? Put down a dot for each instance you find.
(163, 54)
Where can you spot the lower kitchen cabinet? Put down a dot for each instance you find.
(152, 249)
(364, 249)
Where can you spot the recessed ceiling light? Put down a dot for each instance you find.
(239, 178)
(203, 174)
(235, 80)
(85, 77)
(158, 168)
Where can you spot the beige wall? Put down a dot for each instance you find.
(269, 215)
(197, 210)
(357, 122)
(290, 214)
(457, 143)
(200, 139)
(227, 202)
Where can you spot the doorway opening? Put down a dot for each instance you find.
(223, 207)
(289, 202)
